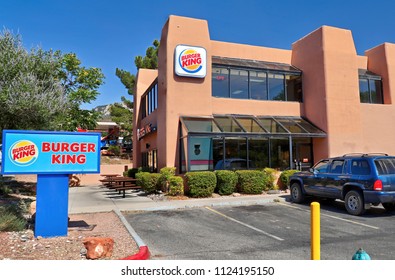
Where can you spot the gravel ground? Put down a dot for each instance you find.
(24, 246)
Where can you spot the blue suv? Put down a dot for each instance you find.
(357, 179)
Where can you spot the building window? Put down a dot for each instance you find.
(149, 101)
(232, 82)
(370, 87)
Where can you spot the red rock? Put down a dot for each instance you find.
(98, 247)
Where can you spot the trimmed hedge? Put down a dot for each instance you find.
(251, 181)
(284, 177)
(176, 186)
(201, 183)
(226, 182)
(148, 181)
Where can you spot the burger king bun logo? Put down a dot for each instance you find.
(190, 61)
(23, 153)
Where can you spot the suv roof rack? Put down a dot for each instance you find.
(365, 154)
(353, 154)
(375, 154)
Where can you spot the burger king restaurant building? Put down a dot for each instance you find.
(219, 105)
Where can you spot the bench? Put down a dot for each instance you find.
(125, 188)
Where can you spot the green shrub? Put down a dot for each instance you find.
(226, 182)
(149, 182)
(166, 174)
(131, 172)
(251, 181)
(11, 218)
(116, 150)
(176, 186)
(201, 184)
(144, 169)
(284, 177)
(270, 179)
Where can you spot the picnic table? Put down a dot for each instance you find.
(119, 183)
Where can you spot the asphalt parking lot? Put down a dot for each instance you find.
(273, 231)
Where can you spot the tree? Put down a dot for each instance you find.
(31, 95)
(80, 86)
(150, 61)
(43, 90)
(122, 114)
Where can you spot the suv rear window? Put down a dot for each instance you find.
(385, 166)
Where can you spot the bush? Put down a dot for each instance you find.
(131, 173)
(166, 174)
(226, 182)
(11, 218)
(148, 181)
(270, 174)
(201, 184)
(284, 177)
(176, 186)
(251, 181)
(115, 150)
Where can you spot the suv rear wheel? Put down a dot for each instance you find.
(354, 203)
(296, 193)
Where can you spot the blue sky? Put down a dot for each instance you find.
(109, 34)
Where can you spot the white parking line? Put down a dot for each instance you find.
(333, 217)
(244, 224)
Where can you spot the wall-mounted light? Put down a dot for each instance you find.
(147, 145)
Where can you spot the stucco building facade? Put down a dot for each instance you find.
(255, 107)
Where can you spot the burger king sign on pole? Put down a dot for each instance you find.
(53, 156)
(190, 61)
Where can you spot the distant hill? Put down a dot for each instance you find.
(105, 111)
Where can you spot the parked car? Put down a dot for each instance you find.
(357, 179)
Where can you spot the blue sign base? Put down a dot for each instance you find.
(52, 205)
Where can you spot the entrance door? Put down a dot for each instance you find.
(303, 156)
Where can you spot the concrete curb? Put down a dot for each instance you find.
(143, 253)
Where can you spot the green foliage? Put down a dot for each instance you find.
(81, 86)
(43, 90)
(31, 95)
(284, 177)
(226, 181)
(122, 114)
(116, 150)
(131, 172)
(251, 181)
(176, 186)
(166, 174)
(271, 177)
(148, 181)
(11, 218)
(201, 184)
(150, 61)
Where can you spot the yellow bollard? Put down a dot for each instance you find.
(315, 231)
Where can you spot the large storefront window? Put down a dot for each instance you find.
(279, 82)
(235, 142)
(258, 151)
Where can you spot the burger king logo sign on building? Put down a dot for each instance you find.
(190, 61)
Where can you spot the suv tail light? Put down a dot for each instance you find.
(378, 185)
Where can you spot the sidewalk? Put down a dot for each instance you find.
(90, 199)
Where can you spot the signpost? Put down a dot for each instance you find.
(53, 156)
